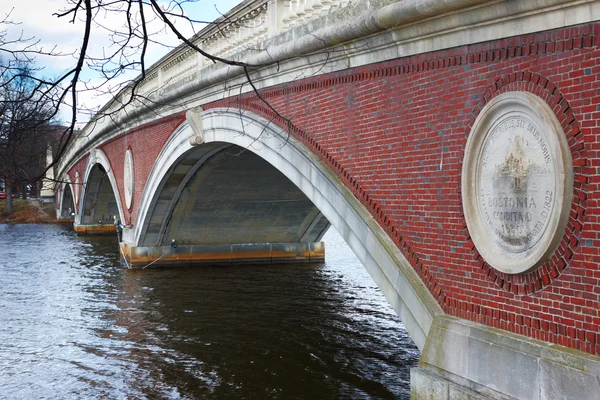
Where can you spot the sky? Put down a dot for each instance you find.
(36, 19)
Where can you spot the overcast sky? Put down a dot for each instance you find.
(36, 19)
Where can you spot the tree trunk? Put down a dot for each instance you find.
(8, 205)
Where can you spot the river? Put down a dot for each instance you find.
(75, 324)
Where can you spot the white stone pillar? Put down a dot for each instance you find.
(274, 17)
(48, 184)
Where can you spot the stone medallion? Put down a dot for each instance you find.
(128, 178)
(517, 182)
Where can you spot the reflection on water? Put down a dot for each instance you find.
(75, 324)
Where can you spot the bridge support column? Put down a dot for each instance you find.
(95, 230)
(223, 254)
(466, 360)
(425, 385)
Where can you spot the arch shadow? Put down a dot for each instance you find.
(99, 200)
(67, 201)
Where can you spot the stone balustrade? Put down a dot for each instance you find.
(297, 12)
(244, 28)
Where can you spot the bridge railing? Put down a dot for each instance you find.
(244, 28)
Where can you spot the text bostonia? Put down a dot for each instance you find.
(511, 202)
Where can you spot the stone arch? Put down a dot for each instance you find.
(99, 184)
(67, 200)
(383, 260)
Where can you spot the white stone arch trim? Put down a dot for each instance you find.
(383, 260)
(97, 156)
(66, 182)
(176, 146)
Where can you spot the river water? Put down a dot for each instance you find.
(74, 324)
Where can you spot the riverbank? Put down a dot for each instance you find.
(28, 211)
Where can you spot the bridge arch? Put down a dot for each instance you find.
(99, 196)
(67, 200)
(386, 264)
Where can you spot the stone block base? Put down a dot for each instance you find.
(222, 254)
(425, 385)
(466, 360)
(95, 230)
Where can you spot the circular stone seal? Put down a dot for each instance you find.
(128, 178)
(517, 182)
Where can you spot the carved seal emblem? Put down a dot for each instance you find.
(517, 182)
(128, 178)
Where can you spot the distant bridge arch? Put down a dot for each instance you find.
(99, 201)
(66, 201)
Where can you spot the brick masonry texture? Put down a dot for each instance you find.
(145, 143)
(395, 134)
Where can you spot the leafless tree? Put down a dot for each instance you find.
(26, 113)
(123, 61)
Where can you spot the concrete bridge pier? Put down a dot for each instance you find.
(466, 360)
(224, 254)
(103, 229)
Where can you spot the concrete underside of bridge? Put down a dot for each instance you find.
(221, 204)
(225, 254)
(67, 207)
(95, 229)
(99, 205)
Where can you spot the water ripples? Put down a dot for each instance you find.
(75, 324)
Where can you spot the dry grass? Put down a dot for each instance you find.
(24, 212)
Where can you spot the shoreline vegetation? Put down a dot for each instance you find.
(29, 211)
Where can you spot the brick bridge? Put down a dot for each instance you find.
(381, 119)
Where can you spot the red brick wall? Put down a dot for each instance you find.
(395, 133)
(145, 143)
